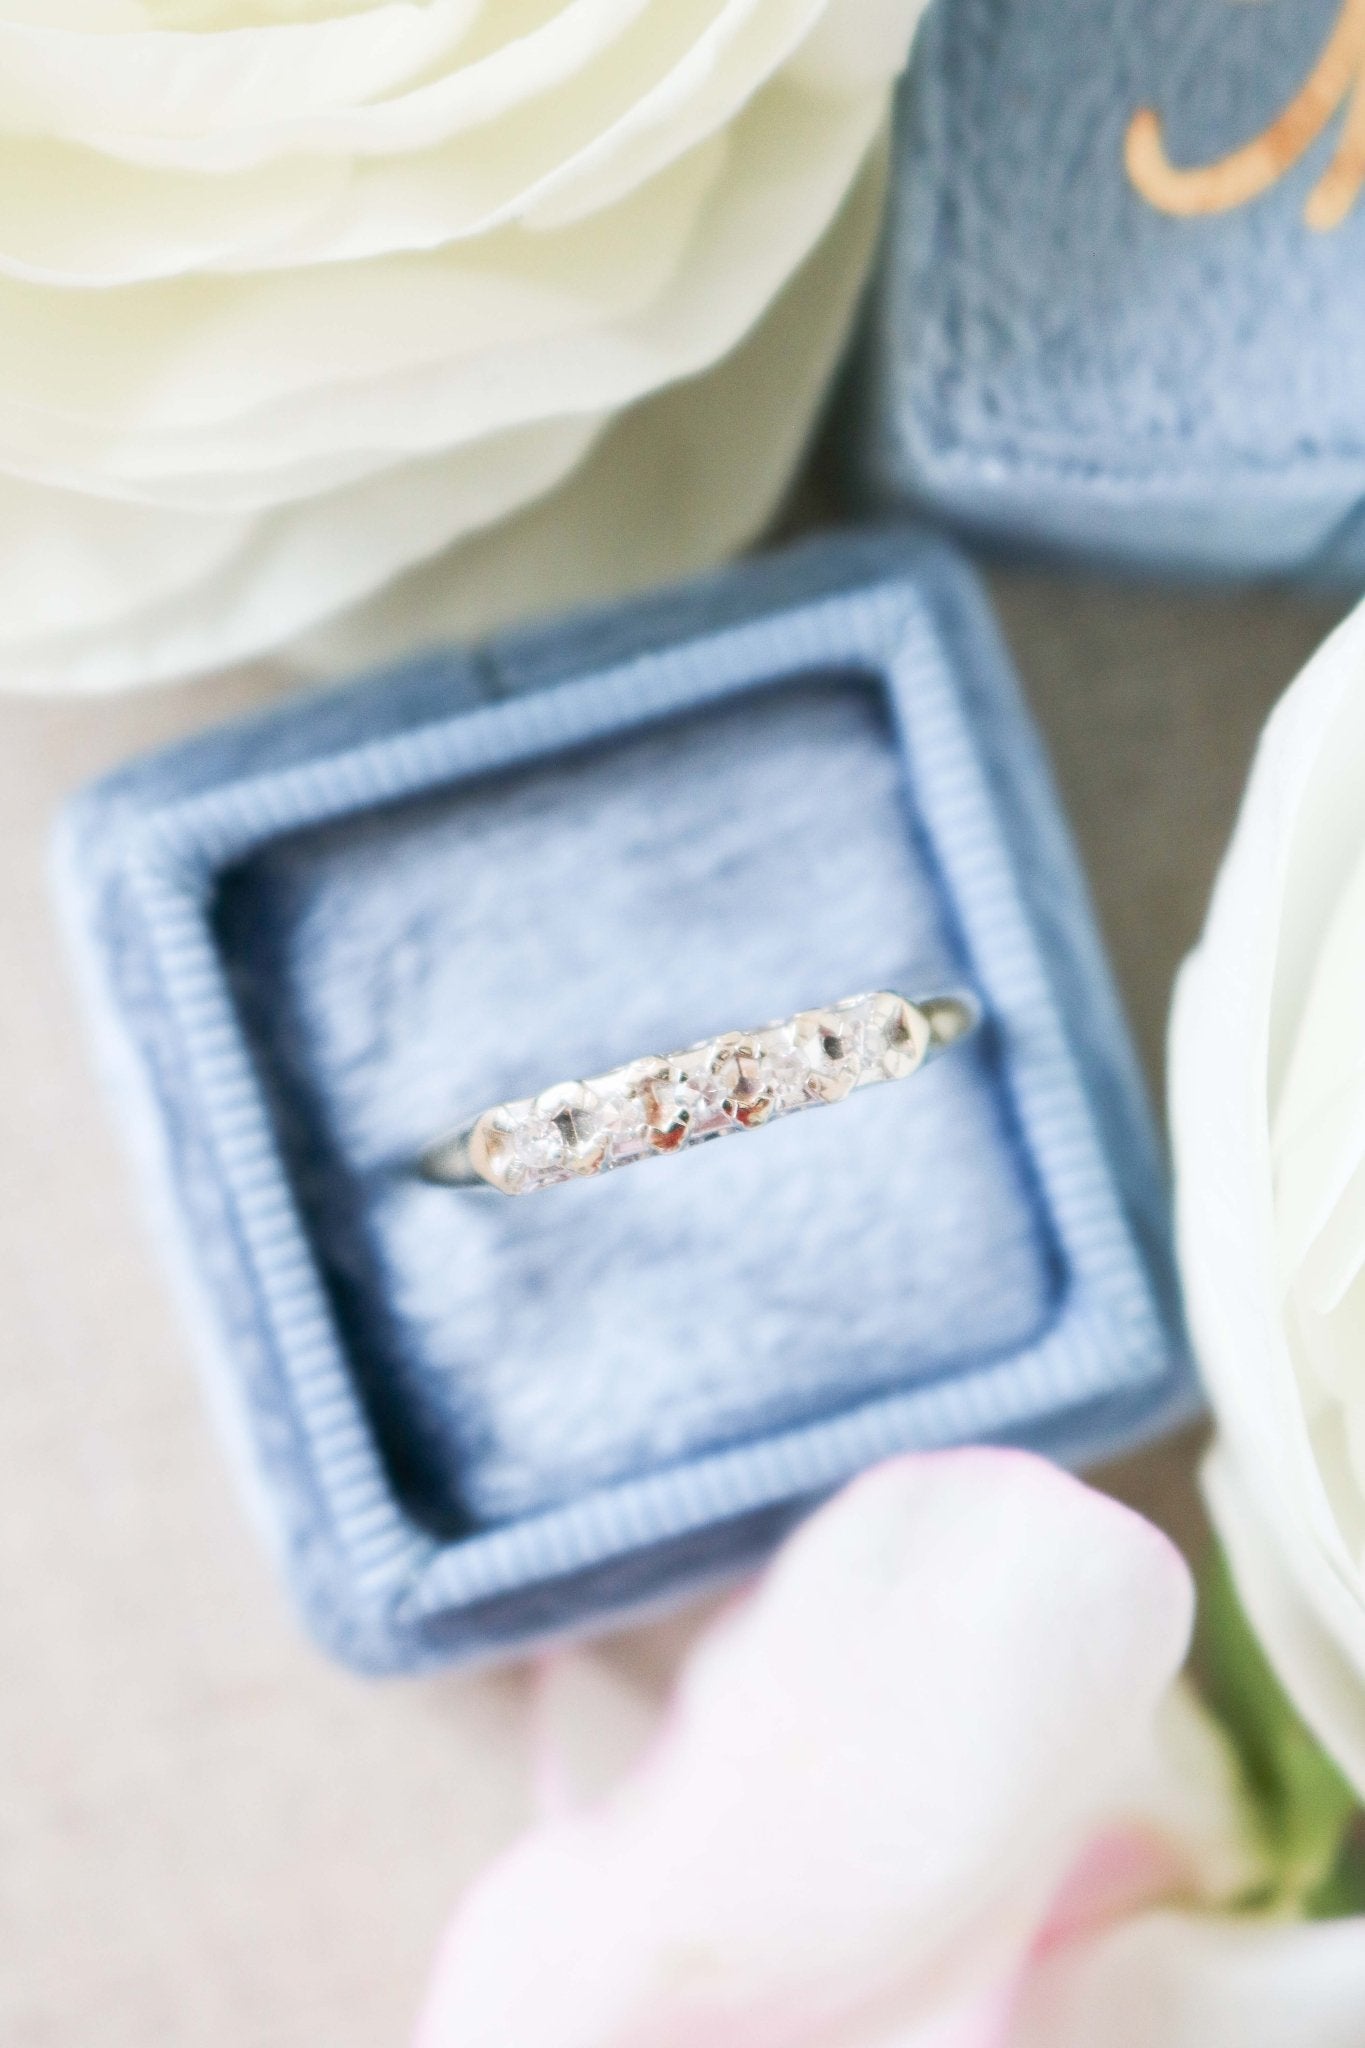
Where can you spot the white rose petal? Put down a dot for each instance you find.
(1268, 1115)
(707, 459)
(1200, 1980)
(236, 584)
(293, 296)
(552, 515)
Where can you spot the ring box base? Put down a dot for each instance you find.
(314, 941)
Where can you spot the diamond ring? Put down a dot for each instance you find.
(731, 1083)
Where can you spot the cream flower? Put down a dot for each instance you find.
(1268, 1115)
(931, 1786)
(296, 294)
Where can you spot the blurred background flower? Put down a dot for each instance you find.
(1268, 1119)
(298, 294)
(935, 1784)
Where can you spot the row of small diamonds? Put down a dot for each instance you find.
(736, 1081)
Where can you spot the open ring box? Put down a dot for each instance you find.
(315, 940)
(1055, 361)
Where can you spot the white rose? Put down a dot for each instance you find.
(1268, 1115)
(296, 294)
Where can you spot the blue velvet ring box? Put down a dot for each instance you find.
(314, 940)
(1051, 361)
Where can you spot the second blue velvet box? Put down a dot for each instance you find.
(1055, 362)
(313, 941)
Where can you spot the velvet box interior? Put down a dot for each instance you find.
(1052, 359)
(314, 941)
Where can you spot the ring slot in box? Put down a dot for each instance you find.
(314, 941)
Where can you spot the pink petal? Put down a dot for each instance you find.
(877, 1770)
(1119, 1871)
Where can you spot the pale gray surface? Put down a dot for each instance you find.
(207, 1837)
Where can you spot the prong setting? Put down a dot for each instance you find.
(737, 1081)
